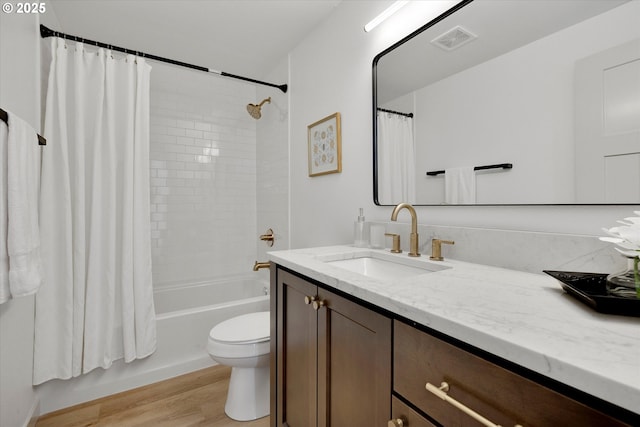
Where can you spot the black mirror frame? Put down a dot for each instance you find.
(420, 30)
(374, 81)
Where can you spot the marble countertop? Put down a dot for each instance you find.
(522, 317)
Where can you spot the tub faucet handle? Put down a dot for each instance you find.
(268, 237)
(258, 265)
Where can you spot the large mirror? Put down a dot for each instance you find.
(512, 102)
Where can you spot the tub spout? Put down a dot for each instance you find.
(258, 265)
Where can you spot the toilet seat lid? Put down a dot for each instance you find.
(244, 329)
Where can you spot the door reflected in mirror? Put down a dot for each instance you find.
(551, 88)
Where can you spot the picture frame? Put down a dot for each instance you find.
(325, 146)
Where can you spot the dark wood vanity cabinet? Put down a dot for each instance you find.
(333, 363)
(499, 395)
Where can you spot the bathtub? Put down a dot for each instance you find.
(179, 300)
(185, 314)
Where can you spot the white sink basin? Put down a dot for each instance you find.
(383, 266)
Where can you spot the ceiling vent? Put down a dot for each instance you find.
(454, 38)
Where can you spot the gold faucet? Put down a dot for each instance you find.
(413, 238)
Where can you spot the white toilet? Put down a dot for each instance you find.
(242, 342)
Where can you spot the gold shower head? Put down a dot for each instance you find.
(254, 110)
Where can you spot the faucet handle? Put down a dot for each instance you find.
(395, 248)
(268, 237)
(436, 248)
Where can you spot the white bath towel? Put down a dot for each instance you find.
(460, 186)
(20, 263)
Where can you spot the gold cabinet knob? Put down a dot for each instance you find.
(309, 299)
(318, 303)
(398, 422)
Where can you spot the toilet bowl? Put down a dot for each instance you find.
(242, 342)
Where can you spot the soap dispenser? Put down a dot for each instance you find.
(359, 239)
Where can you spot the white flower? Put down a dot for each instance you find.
(626, 236)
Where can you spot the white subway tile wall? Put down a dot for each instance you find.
(273, 172)
(203, 176)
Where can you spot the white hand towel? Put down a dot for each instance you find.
(22, 165)
(460, 186)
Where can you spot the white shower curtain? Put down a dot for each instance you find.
(396, 159)
(96, 305)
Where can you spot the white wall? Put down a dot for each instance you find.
(219, 178)
(203, 176)
(19, 93)
(331, 71)
(272, 153)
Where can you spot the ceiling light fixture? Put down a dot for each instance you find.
(384, 15)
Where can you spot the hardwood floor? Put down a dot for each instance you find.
(191, 400)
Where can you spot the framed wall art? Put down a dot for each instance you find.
(325, 150)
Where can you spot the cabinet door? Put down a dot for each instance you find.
(297, 353)
(354, 364)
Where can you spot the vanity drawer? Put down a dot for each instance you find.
(409, 417)
(497, 394)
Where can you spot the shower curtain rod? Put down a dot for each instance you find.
(46, 32)
(4, 116)
(395, 112)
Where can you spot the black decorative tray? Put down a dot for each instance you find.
(590, 288)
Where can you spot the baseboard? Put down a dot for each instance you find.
(33, 414)
(60, 394)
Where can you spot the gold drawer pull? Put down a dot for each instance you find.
(441, 392)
